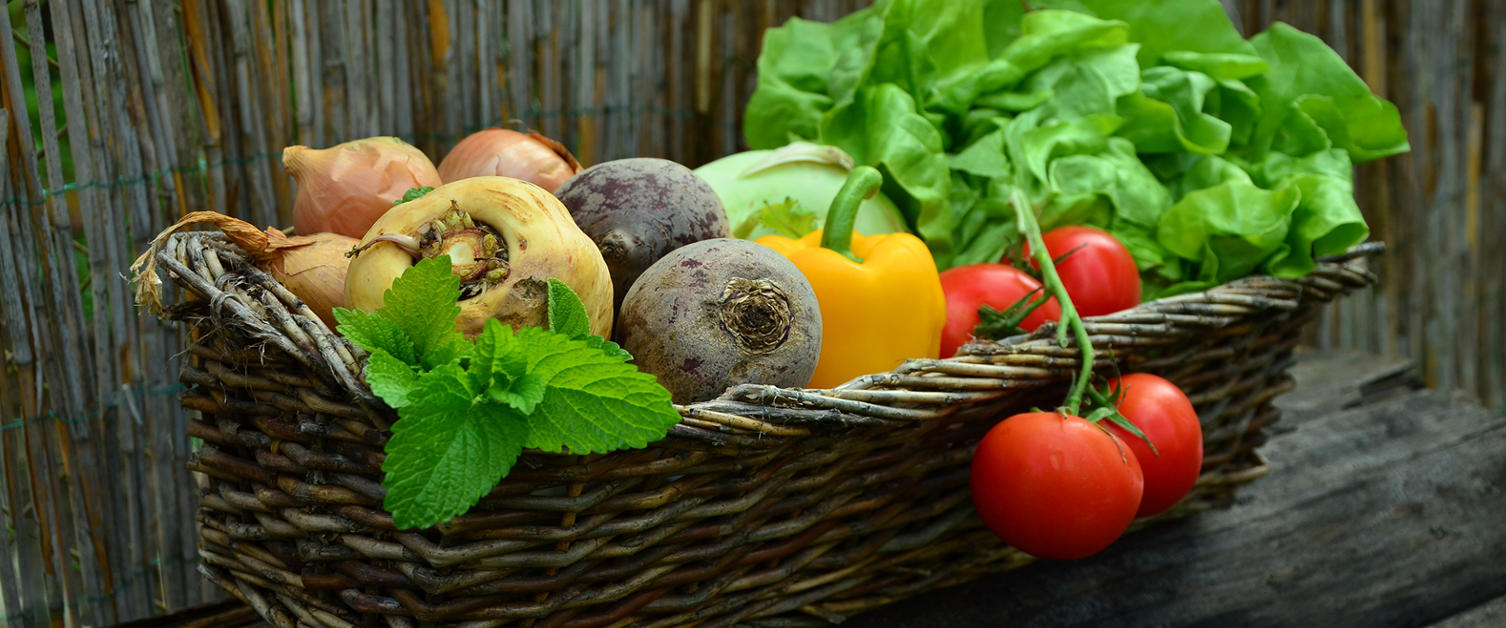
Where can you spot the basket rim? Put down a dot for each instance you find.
(917, 389)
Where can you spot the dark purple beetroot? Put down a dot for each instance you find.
(637, 210)
(719, 313)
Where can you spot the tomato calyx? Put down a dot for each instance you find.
(1104, 404)
(996, 325)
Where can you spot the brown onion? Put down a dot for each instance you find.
(344, 189)
(315, 271)
(499, 152)
(311, 267)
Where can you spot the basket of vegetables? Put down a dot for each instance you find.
(512, 391)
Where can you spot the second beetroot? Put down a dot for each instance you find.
(720, 313)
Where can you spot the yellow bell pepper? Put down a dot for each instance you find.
(880, 296)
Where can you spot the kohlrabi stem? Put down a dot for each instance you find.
(1025, 217)
(863, 182)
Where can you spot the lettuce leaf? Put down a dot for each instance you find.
(1210, 156)
(1312, 101)
(1163, 26)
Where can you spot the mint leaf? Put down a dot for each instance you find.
(600, 407)
(375, 332)
(390, 378)
(610, 348)
(523, 393)
(496, 355)
(422, 302)
(448, 450)
(567, 314)
(499, 366)
(413, 194)
(467, 410)
(595, 402)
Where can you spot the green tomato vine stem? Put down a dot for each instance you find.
(1025, 218)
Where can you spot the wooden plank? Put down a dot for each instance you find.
(1487, 615)
(1334, 380)
(1373, 515)
(228, 614)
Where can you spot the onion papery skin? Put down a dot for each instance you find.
(345, 188)
(541, 240)
(506, 153)
(315, 272)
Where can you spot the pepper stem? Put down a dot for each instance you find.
(1025, 217)
(862, 183)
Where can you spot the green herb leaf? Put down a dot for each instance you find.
(390, 378)
(610, 348)
(595, 402)
(413, 194)
(567, 314)
(448, 449)
(467, 410)
(376, 333)
(523, 393)
(496, 355)
(422, 302)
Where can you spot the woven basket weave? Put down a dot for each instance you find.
(766, 507)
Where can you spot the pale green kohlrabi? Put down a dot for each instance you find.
(809, 174)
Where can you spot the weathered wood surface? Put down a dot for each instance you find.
(1385, 506)
(1491, 614)
(228, 614)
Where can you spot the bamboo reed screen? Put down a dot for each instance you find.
(119, 116)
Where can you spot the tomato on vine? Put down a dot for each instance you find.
(1097, 270)
(978, 298)
(1055, 486)
(1166, 417)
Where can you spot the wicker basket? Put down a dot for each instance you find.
(766, 507)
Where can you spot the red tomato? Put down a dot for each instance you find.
(1055, 486)
(1159, 409)
(1100, 275)
(996, 285)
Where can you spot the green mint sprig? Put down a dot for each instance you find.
(468, 409)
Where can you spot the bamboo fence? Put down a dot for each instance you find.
(119, 116)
